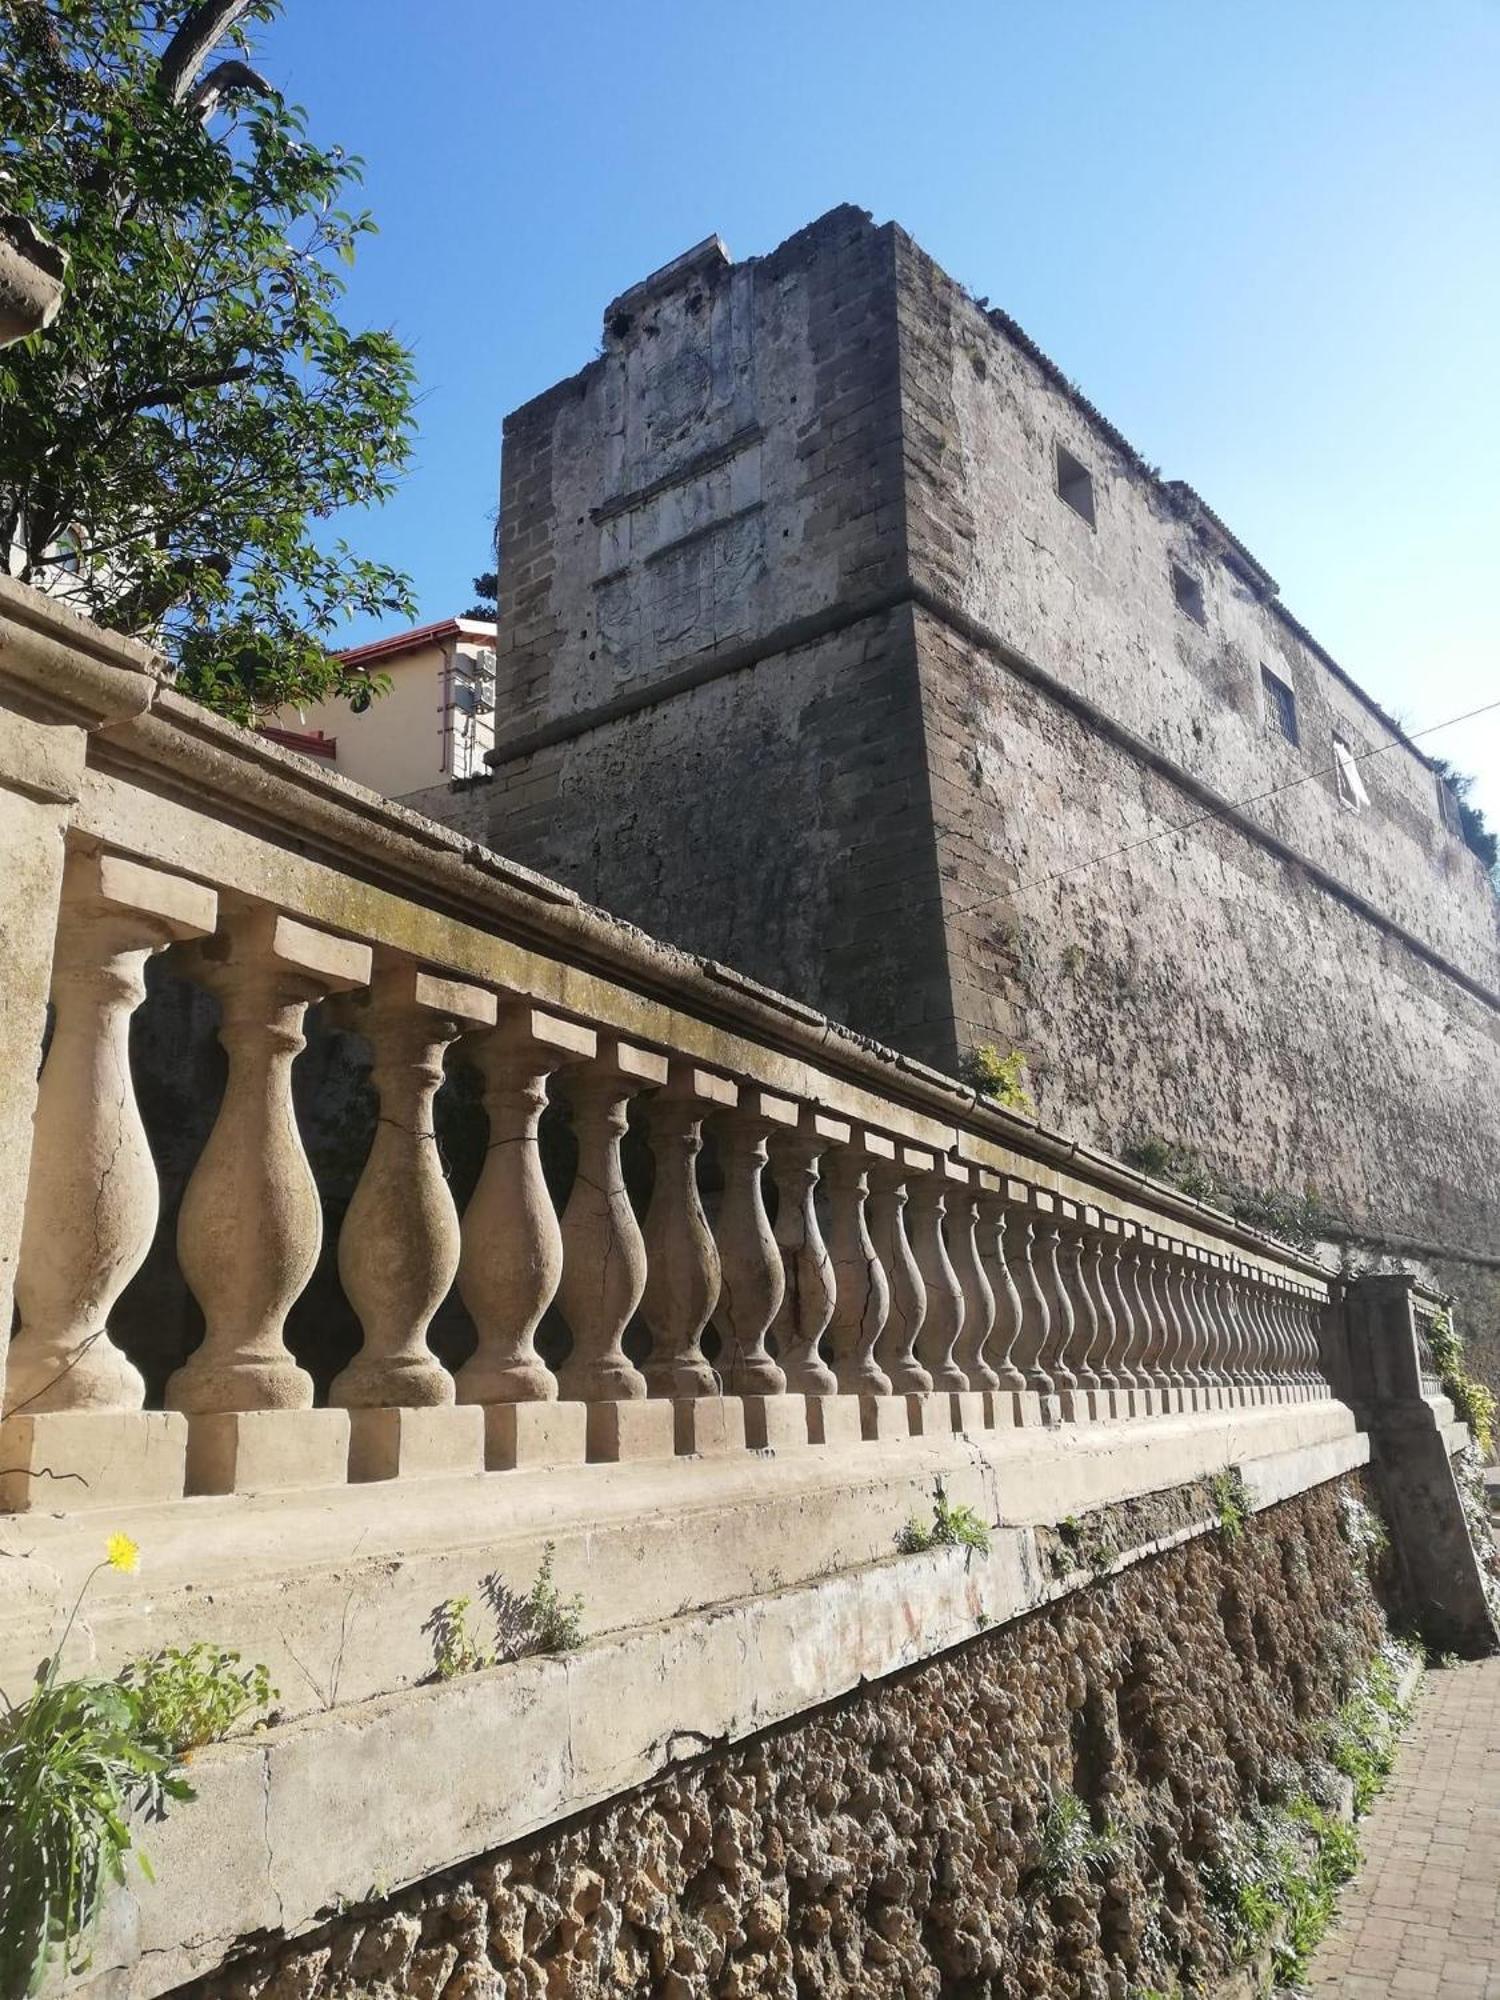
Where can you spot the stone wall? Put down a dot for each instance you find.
(1202, 988)
(931, 678)
(895, 1843)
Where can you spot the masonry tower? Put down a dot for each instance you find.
(842, 640)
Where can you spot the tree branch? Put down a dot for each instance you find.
(205, 27)
(166, 393)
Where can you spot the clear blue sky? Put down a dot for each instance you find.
(1264, 237)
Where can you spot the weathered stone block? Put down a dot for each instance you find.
(266, 1451)
(519, 1435)
(91, 1458)
(414, 1444)
(930, 1415)
(707, 1426)
(775, 1423)
(641, 1429)
(971, 1411)
(834, 1420)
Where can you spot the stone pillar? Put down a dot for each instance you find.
(886, 1212)
(604, 1260)
(1000, 1226)
(251, 1223)
(683, 1276)
(1078, 1228)
(752, 1276)
(1257, 1351)
(1052, 1362)
(1132, 1398)
(971, 1354)
(1021, 1250)
(511, 1259)
(862, 1296)
(944, 1319)
(92, 1203)
(399, 1244)
(1098, 1248)
(808, 1300)
(1228, 1340)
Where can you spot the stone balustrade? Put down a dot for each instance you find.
(876, 1256)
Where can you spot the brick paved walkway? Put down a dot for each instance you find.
(1421, 1920)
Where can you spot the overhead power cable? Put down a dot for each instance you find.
(1217, 812)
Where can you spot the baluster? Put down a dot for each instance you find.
(1192, 1351)
(1148, 1329)
(1319, 1380)
(974, 1408)
(1129, 1329)
(251, 1223)
(753, 1277)
(1257, 1351)
(886, 1212)
(92, 1203)
(862, 1296)
(1047, 1254)
(511, 1255)
(399, 1244)
(1305, 1346)
(808, 1301)
(999, 1226)
(1079, 1225)
(1286, 1345)
(604, 1261)
(1174, 1345)
(1263, 1333)
(1240, 1333)
(1036, 1320)
(1213, 1346)
(1098, 1247)
(1225, 1334)
(682, 1259)
(944, 1319)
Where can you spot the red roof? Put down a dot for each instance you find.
(419, 635)
(311, 742)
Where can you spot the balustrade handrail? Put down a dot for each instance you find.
(967, 1248)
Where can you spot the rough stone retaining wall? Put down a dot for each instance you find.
(890, 1844)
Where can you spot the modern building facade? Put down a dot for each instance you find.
(433, 724)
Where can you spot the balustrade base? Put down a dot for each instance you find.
(707, 1426)
(522, 1436)
(1078, 1406)
(1025, 1409)
(775, 1423)
(55, 1460)
(266, 1451)
(930, 1414)
(887, 1417)
(834, 1420)
(973, 1410)
(1049, 1409)
(445, 1440)
(642, 1429)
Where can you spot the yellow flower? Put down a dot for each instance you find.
(120, 1552)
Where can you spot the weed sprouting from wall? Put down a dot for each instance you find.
(1002, 1077)
(953, 1526)
(543, 1621)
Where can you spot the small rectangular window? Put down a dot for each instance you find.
(1075, 484)
(1281, 704)
(1189, 593)
(1347, 780)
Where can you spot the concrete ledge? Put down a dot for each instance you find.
(332, 1589)
(437, 1774)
